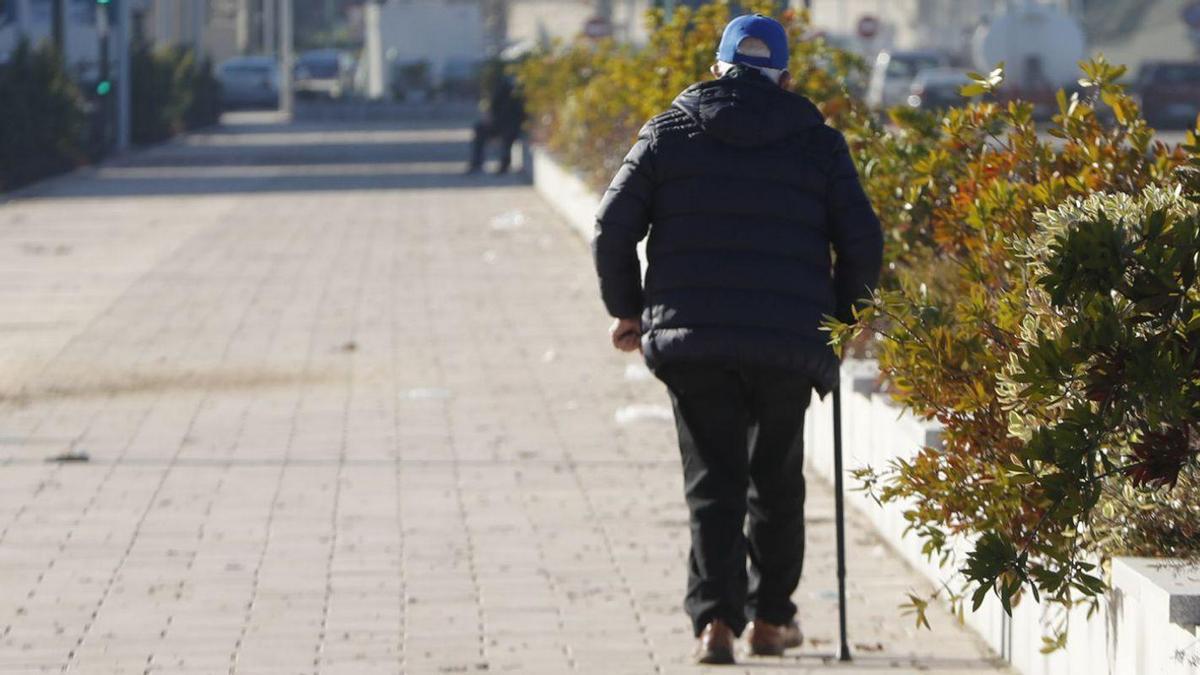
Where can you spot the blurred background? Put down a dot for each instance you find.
(188, 61)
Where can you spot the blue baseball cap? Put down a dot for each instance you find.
(770, 31)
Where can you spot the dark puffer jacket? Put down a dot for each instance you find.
(747, 197)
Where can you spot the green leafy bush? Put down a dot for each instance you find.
(408, 77)
(1091, 400)
(1104, 385)
(952, 330)
(205, 106)
(985, 320)
(172, 92)
(42, 120)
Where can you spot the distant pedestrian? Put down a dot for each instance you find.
(502, 114)
(758, 228)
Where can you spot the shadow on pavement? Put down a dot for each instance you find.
(811, 662)
(379, 151)
(100, 186)
(255, 156)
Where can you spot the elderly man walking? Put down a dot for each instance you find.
(758, 229)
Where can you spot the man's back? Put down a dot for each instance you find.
(748, 199)
(748, 192)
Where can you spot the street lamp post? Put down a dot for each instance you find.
(124, 79)
(199, 18)
(23, 23)
(286, 93)
(104, 78)
(58, 27)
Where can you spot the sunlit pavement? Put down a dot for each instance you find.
(336, 408)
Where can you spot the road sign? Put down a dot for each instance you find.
(1191, 15)
(597, 27)
(868, 27)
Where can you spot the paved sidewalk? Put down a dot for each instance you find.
(347, 411)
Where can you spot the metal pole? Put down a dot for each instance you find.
(199, 19)
(285, 57)
(24, 25)
(242, 32)
(840, 522)
(270, 26)
(496, 25)
(124, 80)
(103, 26)
(58, 27)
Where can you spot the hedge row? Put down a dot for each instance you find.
(42, 119)
(172, 92)
(46, 126)
(1040, 299)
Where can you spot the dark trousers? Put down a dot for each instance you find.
(485, 132)
(741, 433)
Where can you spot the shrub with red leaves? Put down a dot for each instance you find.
(1159, 457)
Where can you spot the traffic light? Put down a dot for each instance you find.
(104, 20)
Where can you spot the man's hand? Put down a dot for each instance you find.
(627, 334)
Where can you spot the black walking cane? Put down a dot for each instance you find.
(839, 519)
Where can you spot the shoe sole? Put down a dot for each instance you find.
(771, 650)
(717, 659)
(767, 651)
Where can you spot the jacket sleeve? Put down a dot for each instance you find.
(622, 221)
(855, 233)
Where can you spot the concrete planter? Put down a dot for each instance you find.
(566, 192)
(1147, 624)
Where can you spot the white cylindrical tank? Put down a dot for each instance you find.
(1039, 44)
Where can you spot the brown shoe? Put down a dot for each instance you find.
(715, 645)
(767, 639)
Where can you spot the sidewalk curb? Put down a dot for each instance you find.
(566, 192)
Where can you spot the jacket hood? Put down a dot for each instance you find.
(746, 109)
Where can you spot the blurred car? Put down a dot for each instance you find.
(894, 72)
(1169, 92)
(249, 82)
(411, 80)
(324, 73)
(937, 88)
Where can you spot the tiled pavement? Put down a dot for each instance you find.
(347, 411)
